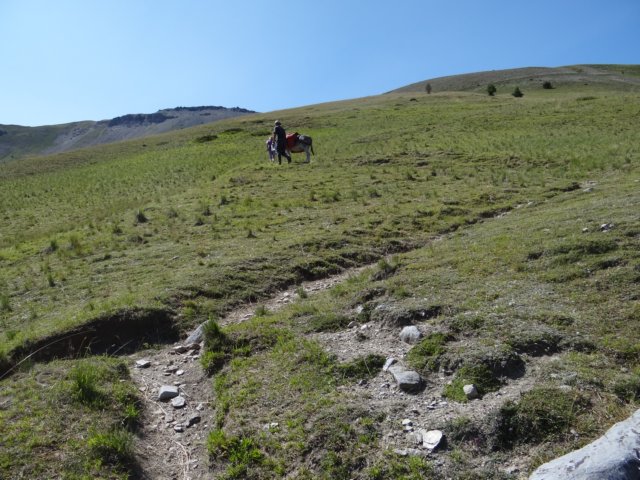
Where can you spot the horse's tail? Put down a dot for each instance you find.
(312, 152)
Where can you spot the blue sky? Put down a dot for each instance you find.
(72, 60)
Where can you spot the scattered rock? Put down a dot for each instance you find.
(143, 363)
(614, 456)
(180, 349)
(407, 380)
(193, 420)
(178, 402)
(471, 391)
(167, 392)
(178, 427)
(410, 335)
(171, 369)
(179, 372)
(605, 227)
(196, 336)
(432, 439)
(390, 361)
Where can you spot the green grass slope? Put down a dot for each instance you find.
(607, 77)
(179, 228)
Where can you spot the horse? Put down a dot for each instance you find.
(297, 143)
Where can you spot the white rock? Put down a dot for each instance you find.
(143, 363)
(410, 334)
(390, 361)
(614, 456)
(471, 391)
(432, 439)
(178, 402)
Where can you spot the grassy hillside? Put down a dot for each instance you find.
(485, 212)
(606, 77)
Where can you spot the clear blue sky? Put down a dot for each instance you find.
(70, 60)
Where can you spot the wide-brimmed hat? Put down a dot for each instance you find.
(278, 122)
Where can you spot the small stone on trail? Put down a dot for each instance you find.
(431, 439)
(196, 336)
(390, 361)
(167, 392)
(193, 420)
(406, 422)
(407, 380)
(180, 349)
(178, 428)
(178, 402)
(410, 335)
(179, 372)
(200, 407)
(471, 391)
(143, 363)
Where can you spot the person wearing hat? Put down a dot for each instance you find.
(280, 137)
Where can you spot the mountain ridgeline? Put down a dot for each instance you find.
(617, 77)
(18, 141)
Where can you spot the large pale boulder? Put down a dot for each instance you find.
(614, 456)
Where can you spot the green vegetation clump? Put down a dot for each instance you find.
(362, 368)
(425, 356)
(114, 447)
(479, 375)
(542, 414)
(327, 322)
(241, 453)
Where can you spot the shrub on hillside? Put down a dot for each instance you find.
(547, 85)
(517, 93)
(491, 89)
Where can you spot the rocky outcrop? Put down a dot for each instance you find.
(614, 456)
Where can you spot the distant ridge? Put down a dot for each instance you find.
(17, 141)
(623, 77)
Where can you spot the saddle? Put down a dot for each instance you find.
(292, 139)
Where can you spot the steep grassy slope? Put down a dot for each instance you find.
(181, 227)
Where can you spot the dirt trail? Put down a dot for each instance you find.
(172, 441)
(170, 449)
